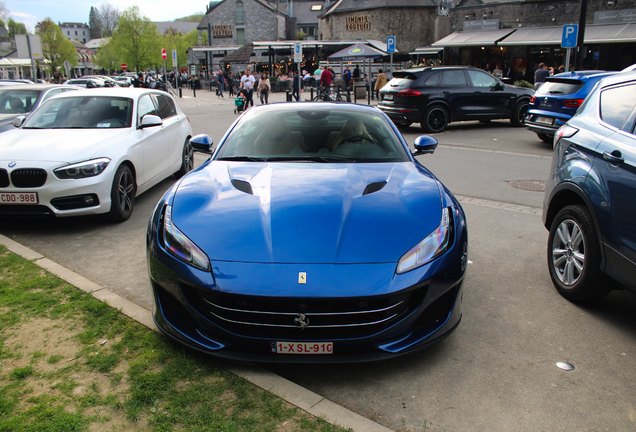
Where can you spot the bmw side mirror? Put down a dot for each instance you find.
(202, 143)
(17, 122)
(424, 144)
(150, 120)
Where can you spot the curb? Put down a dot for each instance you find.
(292, 393)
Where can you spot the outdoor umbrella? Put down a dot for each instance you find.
(357, 52)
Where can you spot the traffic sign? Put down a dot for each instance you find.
(174, 58)
(570, 35)
(124, 66)
(390, 44)
(164, 55)
(298, 52)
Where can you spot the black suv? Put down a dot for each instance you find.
(437, 95)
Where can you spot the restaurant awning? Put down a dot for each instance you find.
(476, 38)
(426, 51)
(534, 36)
(613, 33)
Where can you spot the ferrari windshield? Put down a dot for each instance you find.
(82, 112)
(18, 101)
(328, 133)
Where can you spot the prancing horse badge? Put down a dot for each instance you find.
(302, 277)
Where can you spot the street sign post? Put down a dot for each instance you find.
(124, 66)
(298, 58)
(569, 40)
(390, 48)
(174, 58)
(164, 56)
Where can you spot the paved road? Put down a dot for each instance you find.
(497, 371)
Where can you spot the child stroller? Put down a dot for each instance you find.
(240, 101)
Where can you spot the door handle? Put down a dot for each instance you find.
(615, 157)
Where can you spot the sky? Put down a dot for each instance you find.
(30, 12)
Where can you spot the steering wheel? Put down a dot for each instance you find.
(352, 137)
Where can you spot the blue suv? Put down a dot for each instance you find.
(556, 101)
(590, 199)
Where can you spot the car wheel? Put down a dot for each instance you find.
(187, 160)
(574, 255)
(519, 114)
(122, 195)
(435, 119)
(545, 138)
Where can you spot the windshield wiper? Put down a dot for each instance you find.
(243, 158)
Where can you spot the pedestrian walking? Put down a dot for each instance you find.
(296, 86)
(247, 84)
(379, 83)
(264, 88)
(230, 84)
(221, 81)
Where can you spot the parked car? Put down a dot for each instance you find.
(92, 152)
(86, 82)
(556, 101)
(438, 95)
(311, 234)
(108, 81)
(125, 81)
(23, 100)
(12, 82)
(589, 203)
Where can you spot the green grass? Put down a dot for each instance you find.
(69, 362)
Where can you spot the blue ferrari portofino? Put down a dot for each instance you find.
(312, 234)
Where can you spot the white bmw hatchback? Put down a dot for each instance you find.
(91, 152)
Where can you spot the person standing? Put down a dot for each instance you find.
(325, 79)
(379, 83)
(346, 76)
(247, 84)
(264, 87)
(317, 74)
(230, 84)
(295, 86)
(221, 81)
(541, 74)
(356, 72)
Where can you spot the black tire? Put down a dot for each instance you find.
(518, 117)
(122, 195)
(435, 119)
(545, 138)
(574, 255)
(187, 160)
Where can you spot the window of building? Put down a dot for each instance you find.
(316, 7)
(240, 12)
(240, 36)
(75, 32)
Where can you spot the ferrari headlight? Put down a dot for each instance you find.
(180, 246)
(80, 170)
(435, 244)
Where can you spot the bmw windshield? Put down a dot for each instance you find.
(82, 112)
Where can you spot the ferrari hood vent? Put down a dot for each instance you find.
(373, 187)
(243, 186)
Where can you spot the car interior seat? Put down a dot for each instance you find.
(353, 126)
(276, 138)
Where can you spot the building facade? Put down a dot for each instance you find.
(526, 33)
(76, 31)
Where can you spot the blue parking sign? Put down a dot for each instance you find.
(390, 44)
(570, 36)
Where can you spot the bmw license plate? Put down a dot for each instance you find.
(302, 347)
(544, 120)
(19, 198)
(388, 97)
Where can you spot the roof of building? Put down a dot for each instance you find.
(213, 4)
(180, 27)
(96, 43)
(78, 44)
(304, 14)
(70, 24)
(356, 5)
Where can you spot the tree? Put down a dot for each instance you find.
(109, 17)
(56, 47)
(95, 23)
(107, 56)
(136, 40)
(174, 40)
(16, 28)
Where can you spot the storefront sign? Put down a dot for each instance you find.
(481, 25)
(362, 22)
(222, 31)
(615, 17)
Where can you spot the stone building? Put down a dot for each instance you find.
(414, 23)
(76, 31)
(525, 33)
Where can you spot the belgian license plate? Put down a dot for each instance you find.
(388, 97)
(19, 198)
(302, 347)
(544, 120)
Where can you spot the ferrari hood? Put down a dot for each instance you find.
(56, 145)
(307, 212)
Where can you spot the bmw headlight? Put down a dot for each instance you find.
(80, 170)
(180, 246)
(435, 244)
